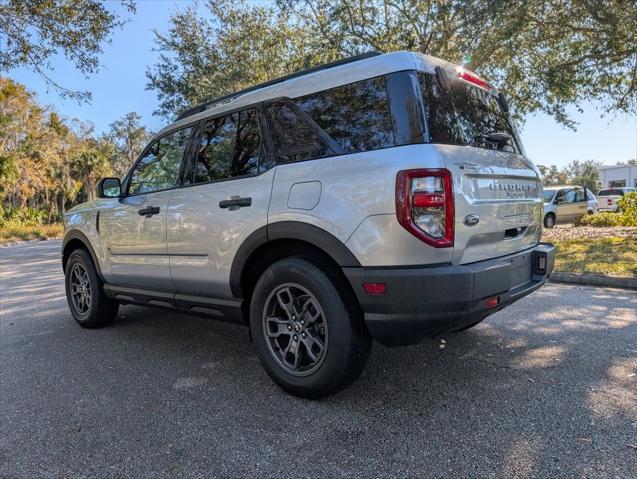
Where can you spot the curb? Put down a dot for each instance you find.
(594, 280)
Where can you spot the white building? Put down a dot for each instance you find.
(618, 175)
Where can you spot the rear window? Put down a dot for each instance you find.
(611, 193)
(464, 115)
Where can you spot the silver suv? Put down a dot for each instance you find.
(383, 196)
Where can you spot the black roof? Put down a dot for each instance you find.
(226, 98)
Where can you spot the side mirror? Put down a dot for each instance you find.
(109, 188)
(559, 200)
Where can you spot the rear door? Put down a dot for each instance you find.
(226, 198)
(133, 230)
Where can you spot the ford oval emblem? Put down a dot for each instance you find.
(471, 220)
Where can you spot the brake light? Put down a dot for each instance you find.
(424, 205)
(471, 78)
(609, 201)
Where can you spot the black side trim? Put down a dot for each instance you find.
(293, 230)
(79, 236)
(222, 308)
(316, 236)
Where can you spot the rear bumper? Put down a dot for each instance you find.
(423, 302)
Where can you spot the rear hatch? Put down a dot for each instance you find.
(497, 191)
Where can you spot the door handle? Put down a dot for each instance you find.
(235, 203)
(148, 211)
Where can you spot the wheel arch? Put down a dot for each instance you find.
(73, 240)
(284, 239)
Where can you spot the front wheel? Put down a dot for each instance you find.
(84, 293)
(308, 333)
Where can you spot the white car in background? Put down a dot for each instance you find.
(608, 197)
(567, 204)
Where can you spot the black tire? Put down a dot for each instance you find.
(346, 339)
(549, 220)
(98, 310)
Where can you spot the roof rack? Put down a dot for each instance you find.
(227, 98)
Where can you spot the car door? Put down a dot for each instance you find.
(226, 199)
(133, 230)
(579, 202)
(563, 207)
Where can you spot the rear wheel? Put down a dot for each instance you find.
(308, 334)
(84, 293)
(549, 220)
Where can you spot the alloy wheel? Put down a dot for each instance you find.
(80, 289)
(295, 329)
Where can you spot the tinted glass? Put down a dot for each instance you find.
(159, 168)
(229, 147)
(355, 116)
(610, 193)
(294, 137)
(464, 115)
(347, 119)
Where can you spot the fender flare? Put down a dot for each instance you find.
(81, 237)
(293, 230)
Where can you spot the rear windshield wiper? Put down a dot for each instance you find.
(499, 138)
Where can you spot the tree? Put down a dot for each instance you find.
(32, 32)
(585, 173)
(545, 54)
(129, 138)
(551, 176)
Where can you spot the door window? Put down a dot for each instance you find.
(229, 147)
(159, 168)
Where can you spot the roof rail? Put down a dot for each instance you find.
(227, 98)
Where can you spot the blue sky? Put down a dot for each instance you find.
(120, 87)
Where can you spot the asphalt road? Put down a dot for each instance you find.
(545, 388)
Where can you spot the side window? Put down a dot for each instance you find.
(356, 116)
(570, 196)
(230, 146)
(159, 168)
(346, 119)
(580, 195)
(293, 137)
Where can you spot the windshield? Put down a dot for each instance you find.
(548, 195)
(465, 115)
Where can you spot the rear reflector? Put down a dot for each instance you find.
(374, 288)
(492, 302)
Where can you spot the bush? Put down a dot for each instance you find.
(627, 216)
(24, 216)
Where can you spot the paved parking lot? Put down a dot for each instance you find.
(545, 388)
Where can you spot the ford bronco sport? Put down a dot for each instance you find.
(382, 196)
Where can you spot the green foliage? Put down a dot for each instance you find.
(580, 173)
(627, 215)
(129, 138)
(32, 32)
(545, 54)
(49, 163)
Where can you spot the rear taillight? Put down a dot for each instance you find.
(424, 205)
(609, 201)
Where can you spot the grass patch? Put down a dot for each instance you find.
(610, 255)
(14, 231)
